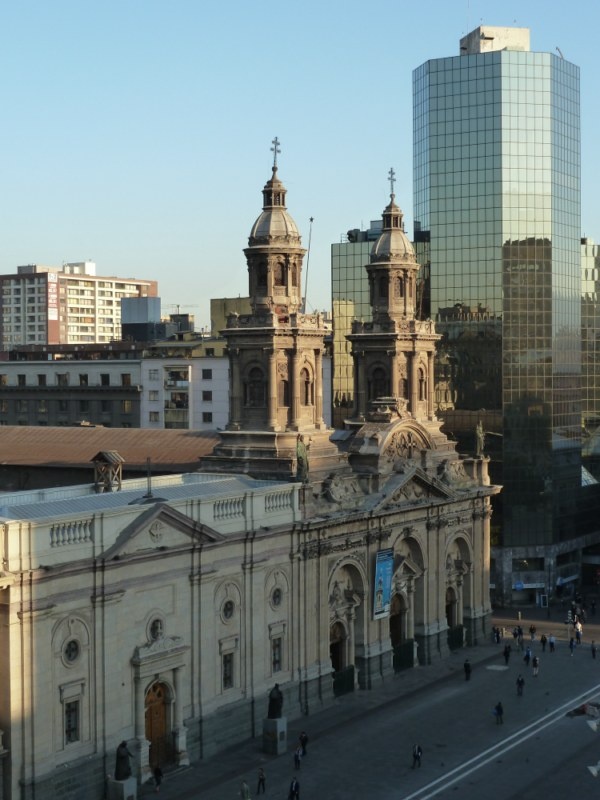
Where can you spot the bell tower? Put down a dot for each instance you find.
(275, 355)
(393, 354)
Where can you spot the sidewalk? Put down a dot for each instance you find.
(243, 760)
(214, 778)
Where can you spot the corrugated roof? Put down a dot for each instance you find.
(177, 450)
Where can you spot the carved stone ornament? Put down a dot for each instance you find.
(156, 530)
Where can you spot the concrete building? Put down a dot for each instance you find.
(163, 614)
(64, 305)
(497, 224)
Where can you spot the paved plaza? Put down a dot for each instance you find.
(362, 746)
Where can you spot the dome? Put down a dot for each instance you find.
(393, 243)
(274, 222)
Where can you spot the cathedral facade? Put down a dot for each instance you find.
(161, 615)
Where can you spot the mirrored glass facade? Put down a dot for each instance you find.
(497, 221)
(350, 298)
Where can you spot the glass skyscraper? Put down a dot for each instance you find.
(497, 226)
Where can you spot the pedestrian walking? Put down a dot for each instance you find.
(467, 668)
(294, 793)
(303, 739)
(571, 645)
(260, 787)
(297, 756)
(506, 654)
(245, 791)
(535, 663)
(499, 713)
(593, 649)
(520, 685)
(578, 632)
(551, 642)
(158, 776)
(532, 630)
(417, 752)
(527, 656)
(543, 641)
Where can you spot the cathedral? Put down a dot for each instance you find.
(162, 613)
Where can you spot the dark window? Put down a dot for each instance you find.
(207, 397)
(72, 721)
(210, 351)
(41, 380)
(105, 406)
(84, 405)
(105, 379)
(21, 380)
(276, 654)
(255, 394)
(227, 670)
(126, 379)
(83, 379)
(207, 374)
(306, 388)
(22, 406)
(63, 405)
(207, 416)
(62, 378)
(4, 406)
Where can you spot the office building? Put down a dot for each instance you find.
(497, 223)
(64, 305)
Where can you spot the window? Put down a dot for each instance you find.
(104, 379)
(3, 380)
(227, 670)
(210, 351)
(4, 406)
(105, 406)
(63, 405)
(126, 379)
(62, 378)
(153, 395)
(276, 649)
(207, 374)
(42, 407)
(207, 416)
(84, 405)
(153, 416)
(255, 393)
(41, 380)
(71, 721)
(83, 379)
(153, 375)
(22, 406)
(207, 397)
(126, 406)
(21, 380)
(306, 388)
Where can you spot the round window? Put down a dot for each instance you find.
(277, 597)
(71, 651)
(228, 609)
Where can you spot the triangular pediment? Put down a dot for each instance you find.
(161, 527)
(412, 488)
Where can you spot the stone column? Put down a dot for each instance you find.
(295, 390)
(142, 745)
(414, 384)
(319, 421)
(180, 731)
(394, 379)
(430, 386)
(272, 396)
(361, 389)
(235, 400)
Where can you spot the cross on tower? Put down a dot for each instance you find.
(275, 149)
(392, 178)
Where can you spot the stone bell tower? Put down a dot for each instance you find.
(393, 354)
(275, 356)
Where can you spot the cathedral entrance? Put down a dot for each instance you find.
(456, 635)
(158, 709)
(402, 647)
(343, 675)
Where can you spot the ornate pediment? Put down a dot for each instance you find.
(160, 527)
(414, 488)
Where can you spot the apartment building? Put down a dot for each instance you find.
(64, 305)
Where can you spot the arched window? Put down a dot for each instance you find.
(422, 385)
(383, 288)
(306, 388)
(399, 286)
(261, 275)
(283, 398)
(255, 394)
(378, 384)
(279, 277)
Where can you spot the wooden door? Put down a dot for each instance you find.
(157, 732)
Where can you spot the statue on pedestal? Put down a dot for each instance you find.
(301, 459)
(479, 439)
(275, 703)
(122, 766)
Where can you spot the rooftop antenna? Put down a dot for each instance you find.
(560, 52)
(148, 494)
(307, 263)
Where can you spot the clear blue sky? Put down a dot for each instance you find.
(137, 133)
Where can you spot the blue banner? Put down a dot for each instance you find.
(382, 597)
